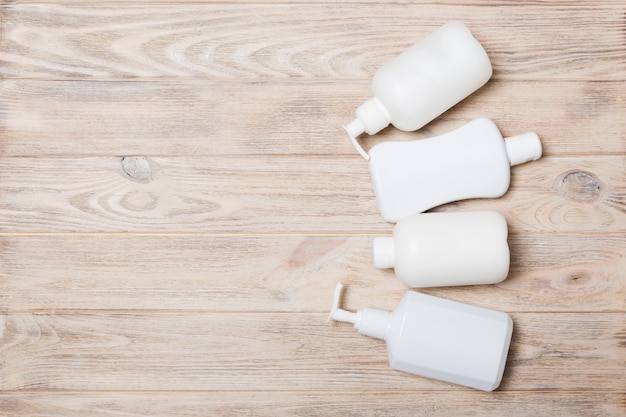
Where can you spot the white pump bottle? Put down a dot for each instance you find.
(438, 338)
(446, 249)
(472, 161)
(424, 81)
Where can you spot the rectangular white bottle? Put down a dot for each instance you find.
(439, 338)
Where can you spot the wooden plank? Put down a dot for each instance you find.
(578, 4)
(270, 273)
(302, 352)
(278, 195)
(299, 41)
(453, 403)
(176, 118)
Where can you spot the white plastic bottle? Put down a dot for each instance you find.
(438, 338)
(472, 161)
(446, 249)
(424, 81)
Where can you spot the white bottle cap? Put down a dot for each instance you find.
(384, 252)
(523, 148)
(368, 321)
(372, 117)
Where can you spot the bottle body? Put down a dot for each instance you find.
(424, 81)
(447, 249)
(415, 176)
(438, 338)
(431, 76)
(449, 341)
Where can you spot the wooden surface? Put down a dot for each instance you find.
(178, 201)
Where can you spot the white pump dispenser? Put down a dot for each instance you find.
(472, 161)
(448, 248)
(438, 338)
(424, 81)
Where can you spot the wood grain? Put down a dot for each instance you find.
(576, 4)
(399, 403)
(202, 118)
(279, 195)
(550, 272)
(280, 351)
(330, 403)
(299, 41)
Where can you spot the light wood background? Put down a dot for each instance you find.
(178, 201)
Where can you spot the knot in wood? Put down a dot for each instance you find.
(137, 168)
(580, 186)
(578, 279)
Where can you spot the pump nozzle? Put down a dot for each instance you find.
(369, 321)
(371, 118)
(353, 133)
(340, 314)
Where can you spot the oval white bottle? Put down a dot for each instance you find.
(424, 81)
(446, 249)
(438, 338)
(472, 161)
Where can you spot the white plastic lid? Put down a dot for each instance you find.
(523, 148)
(368, 321)
(384, 252)
(372, 117)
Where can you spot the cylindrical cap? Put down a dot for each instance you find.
(384, 252)
(523, 148)
(372, 118)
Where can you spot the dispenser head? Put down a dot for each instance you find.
(372, 117)
(368, 321)
(339, 314)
